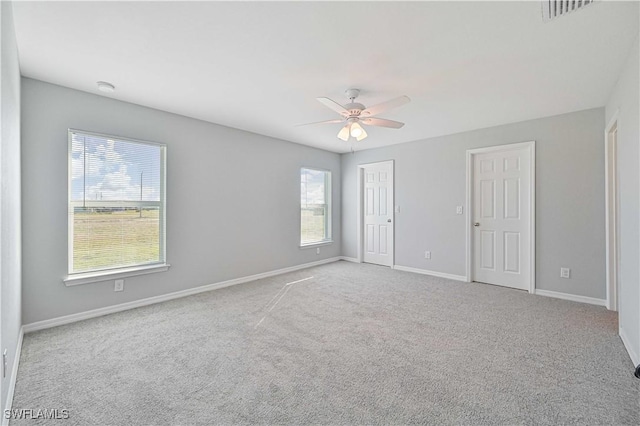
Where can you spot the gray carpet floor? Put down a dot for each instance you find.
(354, 344)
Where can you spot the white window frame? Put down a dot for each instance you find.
(328, 217)
(115, 273)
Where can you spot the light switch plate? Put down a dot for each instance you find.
(397, 209)
(459, 210)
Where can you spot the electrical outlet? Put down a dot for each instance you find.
(318, 250)
(565, 273)
(119, 286)
(459, 210)
(427, 255)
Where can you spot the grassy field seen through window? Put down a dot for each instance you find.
(312, 223)
(112, 239)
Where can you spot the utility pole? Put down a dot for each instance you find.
(140, 209)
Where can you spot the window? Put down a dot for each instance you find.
(315, 206)
(116, 203)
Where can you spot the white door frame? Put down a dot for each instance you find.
(611, 215)
(360, 210)
(531, 145)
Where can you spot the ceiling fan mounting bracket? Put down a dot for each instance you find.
(352, 93)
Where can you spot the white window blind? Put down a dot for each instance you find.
(116, 203)
(315, 206)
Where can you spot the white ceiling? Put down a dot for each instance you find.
(259, 66)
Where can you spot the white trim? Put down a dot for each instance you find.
(162, 203)
(328, 198)
(613, 120)
(68, 319)
(635, 358)
(350, 259)
(611, 259)
(359, 208)
(114, 274)
(531, 145)
(14, 376)
(571, 297)
(432, 273)
(317, 244)
(532, 215)
(117, 137)
(468, 216)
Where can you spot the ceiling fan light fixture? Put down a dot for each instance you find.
(362, 136)
(356, 130)
(344, 132)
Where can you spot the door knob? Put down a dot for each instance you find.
(389, 220)
(476, 224)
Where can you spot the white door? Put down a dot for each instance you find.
(501, 216)
(378, 213)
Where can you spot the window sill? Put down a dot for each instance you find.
(94, 277)
(317, 244)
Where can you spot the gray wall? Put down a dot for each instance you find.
(10, 252)
(624, 99)
(430, 183)
(233, 199)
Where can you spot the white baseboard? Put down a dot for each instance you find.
(432, 273)
(572, 297)
(68, 319)
(350, 259)
(635, 358)
(14, 376)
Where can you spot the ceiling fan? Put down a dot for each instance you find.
(354, 114)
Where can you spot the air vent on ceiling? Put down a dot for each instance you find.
(552, 9)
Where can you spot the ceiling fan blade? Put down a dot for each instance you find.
(382, 122)
(334, 106)
(393, 103)
(344, 132)
(337, 120)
